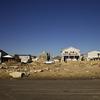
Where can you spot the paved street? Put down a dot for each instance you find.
(49, 89)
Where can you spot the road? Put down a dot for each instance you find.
(49, 89)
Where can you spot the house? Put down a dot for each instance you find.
(93, 55)
(70, 54)
(8, 58)
(2, 53)
(23, 58)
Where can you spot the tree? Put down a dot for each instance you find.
(48, 56)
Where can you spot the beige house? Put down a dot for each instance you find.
(93, 55)
(70, 54)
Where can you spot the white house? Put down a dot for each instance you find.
(70, 54)
(24, 58)
(93, 55)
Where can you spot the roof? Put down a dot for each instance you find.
(71, 49)
(22, 55)
(94, 52)
(7, 56)
(3, 52)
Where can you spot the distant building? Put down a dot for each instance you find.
(70, 54)
(34, 58)
(93, 55)
(23, 58)
(57, 59)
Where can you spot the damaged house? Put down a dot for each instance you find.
(70, 54)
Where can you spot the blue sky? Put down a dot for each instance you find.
(31, 26)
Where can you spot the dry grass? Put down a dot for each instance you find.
(70, 70)
(83, 70)
(4, 74)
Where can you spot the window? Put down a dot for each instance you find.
(66, 51)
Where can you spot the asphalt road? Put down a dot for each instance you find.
(49, 89)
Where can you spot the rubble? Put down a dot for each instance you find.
(3, 66)
(37, 71)
(15, 67)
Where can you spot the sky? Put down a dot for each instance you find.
(32, 26)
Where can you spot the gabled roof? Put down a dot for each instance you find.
(3, 52)
(71, 49)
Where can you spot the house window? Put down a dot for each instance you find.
(66, 52)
